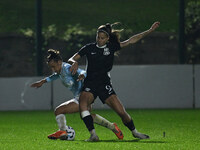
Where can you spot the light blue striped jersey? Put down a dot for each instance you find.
(68, 80)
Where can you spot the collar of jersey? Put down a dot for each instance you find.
(101, 46)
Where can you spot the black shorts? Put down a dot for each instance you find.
(102, 90)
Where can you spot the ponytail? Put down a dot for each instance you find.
(53, 55)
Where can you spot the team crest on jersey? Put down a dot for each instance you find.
(106, 51)
(87, 89)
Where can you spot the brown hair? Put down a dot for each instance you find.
(114, 35)
(53, 55)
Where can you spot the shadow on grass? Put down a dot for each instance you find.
(127, 141)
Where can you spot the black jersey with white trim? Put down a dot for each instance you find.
(99, 59)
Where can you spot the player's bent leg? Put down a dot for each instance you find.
(68, 107)
(71, 106)
(86, 98)
(115, 104)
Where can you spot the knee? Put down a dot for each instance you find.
(85, 102)
(93, 115)
(89, 108)
(83, 107)
(57, 111)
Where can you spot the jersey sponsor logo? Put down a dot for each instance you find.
(109, 89)
(106, 51)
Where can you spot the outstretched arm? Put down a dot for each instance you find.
(38, 83)
(137, 37)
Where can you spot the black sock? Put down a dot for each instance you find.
(88, 120)
(130, 125)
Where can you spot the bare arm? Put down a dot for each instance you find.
(137, 37)
(74, 62)
(38, 83)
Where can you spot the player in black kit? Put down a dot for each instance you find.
(100, 57)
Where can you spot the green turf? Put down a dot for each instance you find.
(28, 131)
(137, 15)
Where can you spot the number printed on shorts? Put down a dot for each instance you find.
(109, 88)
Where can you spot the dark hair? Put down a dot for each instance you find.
(53, 55)
(114, 35)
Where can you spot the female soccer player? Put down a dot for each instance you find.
(74, 84)
(100, 56)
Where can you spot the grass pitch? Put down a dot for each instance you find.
(168, 129)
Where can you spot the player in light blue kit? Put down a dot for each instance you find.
(74, 84)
